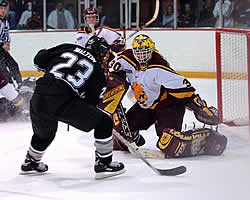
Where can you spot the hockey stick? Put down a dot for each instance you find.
(148, 153)
(15, 84)
(163, 172)
(122, 117)
(157, 6)
(136, 151)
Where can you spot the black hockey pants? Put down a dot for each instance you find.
(53, 102)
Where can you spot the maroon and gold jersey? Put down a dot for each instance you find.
(107, 33)
(156, 82)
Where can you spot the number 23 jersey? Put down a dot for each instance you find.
(148, 85)
(77, 67)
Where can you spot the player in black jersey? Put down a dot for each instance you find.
(72, 86)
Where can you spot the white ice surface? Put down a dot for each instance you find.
(71, 157)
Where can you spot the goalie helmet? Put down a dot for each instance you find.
(142, 48)
(99, 48)
(90, 16)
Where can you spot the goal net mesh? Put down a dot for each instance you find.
(234, 77)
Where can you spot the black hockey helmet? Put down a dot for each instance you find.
(4, 3)
(99, 47)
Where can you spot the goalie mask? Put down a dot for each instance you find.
(91, 17)
(143, 48)
(99, 48)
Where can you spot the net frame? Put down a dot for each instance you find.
(234, 75)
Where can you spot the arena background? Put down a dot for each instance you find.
(190, 52)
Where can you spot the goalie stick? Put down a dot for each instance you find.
(148, 153)
(163, 172)
(133, 148)
(157, 5)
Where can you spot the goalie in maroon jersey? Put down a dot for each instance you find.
(162, 96)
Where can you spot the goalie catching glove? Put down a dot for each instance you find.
(204, 114)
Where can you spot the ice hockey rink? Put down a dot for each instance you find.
(71, 158)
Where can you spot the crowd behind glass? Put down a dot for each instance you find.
(64, 14)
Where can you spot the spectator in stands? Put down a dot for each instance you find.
(242, 16)
(168, 16)
(227, 9)
(60, 18)
(16, 7)
(12, 15)
(187, 19)
(206, 15)
(73, 11)
(36, 20)
(22, 24)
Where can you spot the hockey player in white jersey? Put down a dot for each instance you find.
(7, 90)
(162, 96)
(91, 20)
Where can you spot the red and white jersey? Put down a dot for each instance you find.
(150, 85)
(107, 33)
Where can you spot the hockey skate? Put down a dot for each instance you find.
(31, 166)
(112, 169)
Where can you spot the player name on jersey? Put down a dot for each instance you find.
(85, 53)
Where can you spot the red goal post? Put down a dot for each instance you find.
(233, 75)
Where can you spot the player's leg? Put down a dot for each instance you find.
(13, 69)
(174, 143)
(138, 119)
(169, 114)
(194, 142)
(44, 127)
(87, 117)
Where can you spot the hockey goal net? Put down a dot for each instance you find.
(233, 72)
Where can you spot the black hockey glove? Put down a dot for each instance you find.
(138, 138)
